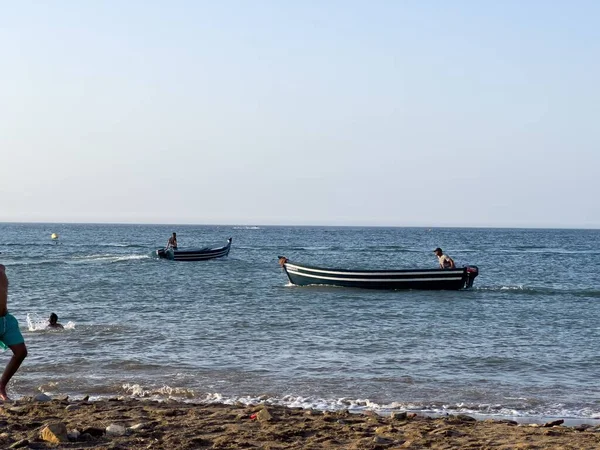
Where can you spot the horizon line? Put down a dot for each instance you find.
(497, 227)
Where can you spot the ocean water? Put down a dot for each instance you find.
(522, 343)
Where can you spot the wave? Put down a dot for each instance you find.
(21, 244)
(520, 410)
(138, 391)
(117, 245)
(530, 247)
(521, 289)
(246, 228)
(544, 250)
(35, 262)
(390, 248)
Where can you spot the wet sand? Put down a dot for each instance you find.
(139, 424)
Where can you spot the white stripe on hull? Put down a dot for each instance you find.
(197, 257)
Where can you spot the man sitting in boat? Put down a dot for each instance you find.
(172, 242)
(445, 261)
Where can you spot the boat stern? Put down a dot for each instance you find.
(228, 246)
(472, 272)
(165, 254)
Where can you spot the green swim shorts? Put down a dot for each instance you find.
(9, 330)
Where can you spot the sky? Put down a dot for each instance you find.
(382, 113)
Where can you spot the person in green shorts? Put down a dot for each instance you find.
(10, 336)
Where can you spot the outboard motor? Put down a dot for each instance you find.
(167, 253)
(472, 272)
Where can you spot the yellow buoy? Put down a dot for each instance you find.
(54, 236)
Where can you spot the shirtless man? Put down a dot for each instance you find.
(445, 261)
(172, 242)
(10, 335)
(53, 321)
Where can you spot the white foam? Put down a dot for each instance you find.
(108, 258)
(358, 405)
(512, 288)
(176, 392)
(131, 258)
(135, 390)
(518, 287)
(36, 323)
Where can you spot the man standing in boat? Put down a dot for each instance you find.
(445, 261)
(10, 336)
(172, 242)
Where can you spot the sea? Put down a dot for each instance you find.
(522, 343)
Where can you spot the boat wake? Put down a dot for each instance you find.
(111, 258)
(521, 289)
(75, 260)
(115, 244)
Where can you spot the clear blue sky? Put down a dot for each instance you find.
(426, 113)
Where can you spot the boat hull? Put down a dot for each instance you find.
(423, 279)
(201, 254)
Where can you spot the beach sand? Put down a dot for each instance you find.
(140, 424)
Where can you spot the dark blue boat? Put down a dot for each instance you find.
(429, 279)
(195, 254)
